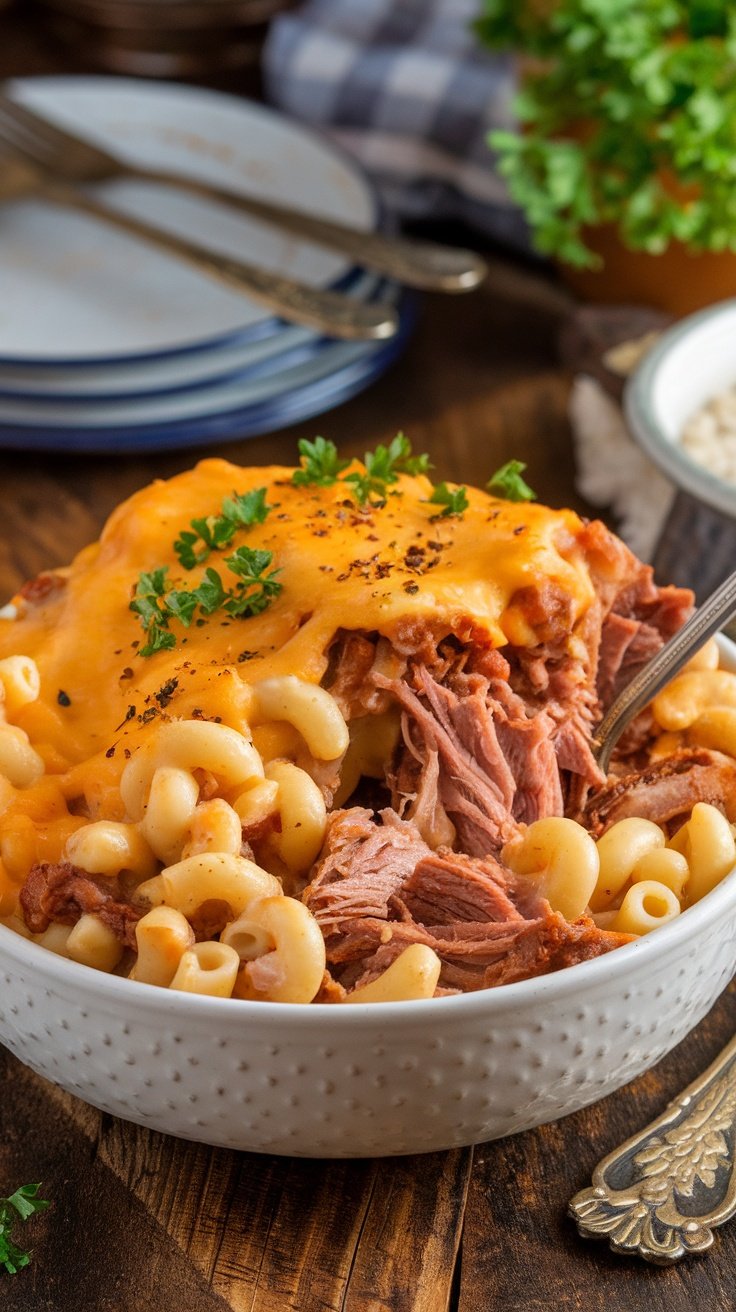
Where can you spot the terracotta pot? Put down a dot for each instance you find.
(678, 281)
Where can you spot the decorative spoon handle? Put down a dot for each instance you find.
(660, 1194)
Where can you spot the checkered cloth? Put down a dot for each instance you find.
(404, 86)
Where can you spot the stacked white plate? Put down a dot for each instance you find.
(107, 345)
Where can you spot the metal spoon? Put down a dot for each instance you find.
(708, 618)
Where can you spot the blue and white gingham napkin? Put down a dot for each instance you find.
(405, 87)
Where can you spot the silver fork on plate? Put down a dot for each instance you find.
(329, 312)
(422, 264)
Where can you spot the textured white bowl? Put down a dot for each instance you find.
(369, 1080)
(689, 365)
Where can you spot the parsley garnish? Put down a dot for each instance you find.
(254, 591)
(321, 466)
(150, 604)
(455, 501)
(215, 532)
(382, 468)
(319, 463)
(19, 1206)
(508, 484)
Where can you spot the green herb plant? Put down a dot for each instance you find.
(628, 116)
(21, 1205)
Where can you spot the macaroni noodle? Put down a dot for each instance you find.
(561, 859)
(208, 968)
(414, 974)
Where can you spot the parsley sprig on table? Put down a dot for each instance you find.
(321, 467)
(157, 606)
(18, 1207)
(508, 484)
(215, 532)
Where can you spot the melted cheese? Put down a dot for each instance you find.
(376, 570)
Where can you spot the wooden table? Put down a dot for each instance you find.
(141, 1221)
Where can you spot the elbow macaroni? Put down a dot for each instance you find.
(182, 803)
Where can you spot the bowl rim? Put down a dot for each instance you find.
(641, 417)
(64, 973)
(558, 984)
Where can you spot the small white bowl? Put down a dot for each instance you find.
(690, 364)
(375, 1079)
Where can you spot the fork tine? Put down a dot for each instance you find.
(40, 128)
(24, 143)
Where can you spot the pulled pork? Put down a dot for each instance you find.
(62, 893)
(378, 888)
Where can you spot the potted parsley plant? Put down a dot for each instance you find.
(625, 161)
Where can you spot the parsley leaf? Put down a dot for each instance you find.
(215, 532)
(149, 603)
(508, 484)
(253, 592)
(159, 639)
(455, 501)
(21, 1205)
(256, 590)
(210, 594)
(320, 464)
(382, 468)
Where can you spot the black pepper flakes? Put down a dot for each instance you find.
(128, 716)
(411, 588)
(63, 698)
(110, 752)
(165, 693)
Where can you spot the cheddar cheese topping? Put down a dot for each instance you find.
(342, 567)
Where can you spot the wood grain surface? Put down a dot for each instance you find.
(142, 1221)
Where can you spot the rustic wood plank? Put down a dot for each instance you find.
(233, 1230)
(523, 1254)
(410, 1238)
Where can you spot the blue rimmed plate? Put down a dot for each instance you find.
(228, 410)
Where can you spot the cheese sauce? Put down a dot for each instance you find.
(341, 566)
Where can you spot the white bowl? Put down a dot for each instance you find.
(375, 1079)
(689, 365)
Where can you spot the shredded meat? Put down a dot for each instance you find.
(667, 790)
(474, 955)
(363, 864)
(492, 765)
(379, 888)
(61, 892)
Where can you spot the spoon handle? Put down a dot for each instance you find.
(707, 620)
(660, 1194)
